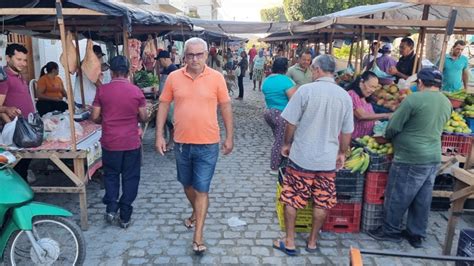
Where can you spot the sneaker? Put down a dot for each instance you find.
(414, 240)
(123, 224)
(110, 217)
(379, 234)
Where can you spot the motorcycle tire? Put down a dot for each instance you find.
(14, 248)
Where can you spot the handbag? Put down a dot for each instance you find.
(29, 134)
(237, 71)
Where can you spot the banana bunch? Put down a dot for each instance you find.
(357, 161)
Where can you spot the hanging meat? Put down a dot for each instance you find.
(149, 54)
(134, 47)
(71, 54)
(91, 65)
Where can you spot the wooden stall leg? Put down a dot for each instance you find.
(457, 207)
(83, 207)
(79, 171)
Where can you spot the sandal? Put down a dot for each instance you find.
(189, 222)
(311, 250)
(281, 246)
(199, 249)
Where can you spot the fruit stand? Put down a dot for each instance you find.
(98, 20)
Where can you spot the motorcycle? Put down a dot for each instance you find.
(34, 233)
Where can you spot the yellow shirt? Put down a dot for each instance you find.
(53, 86)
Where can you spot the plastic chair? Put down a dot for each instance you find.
(32, 87)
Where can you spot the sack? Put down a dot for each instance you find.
(28, 134)
(8, 131)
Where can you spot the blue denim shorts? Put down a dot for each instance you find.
(196, 164)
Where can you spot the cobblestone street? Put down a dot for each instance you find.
(242, 187)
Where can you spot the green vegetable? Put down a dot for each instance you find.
(145, 79)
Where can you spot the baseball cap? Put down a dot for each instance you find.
(119, 63)
(430, 74)
(97, 50)
(163, 54)
(387, 47)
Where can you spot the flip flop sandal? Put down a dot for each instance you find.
(199, 249)
(189, 223)
(311, 250)
(287, 251)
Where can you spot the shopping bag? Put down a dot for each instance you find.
(29, 134)
(8, 131)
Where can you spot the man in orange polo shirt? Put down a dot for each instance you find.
(197, 92)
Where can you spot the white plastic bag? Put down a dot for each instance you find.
(62, 133)
(8, 131)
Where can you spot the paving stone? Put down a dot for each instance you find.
(137, 261)
(260, 251)
(318, 260)
(249, 260)
(229, 260)
(136, 253)
(162, 260)
(184, 260)
(273, 261)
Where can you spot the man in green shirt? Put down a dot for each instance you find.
(415, 131)
(456, 69)
(300, 72)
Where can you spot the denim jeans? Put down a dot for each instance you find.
(196, 164)
(409, 188)
(124, 164)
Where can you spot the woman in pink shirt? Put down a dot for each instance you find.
(364, 116)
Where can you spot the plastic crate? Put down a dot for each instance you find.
(440, 204)
(375, 183)
(372, 216)
(343, 218)
(465, 245)
(444, 182)
(456, 144)
(379, 162)
(349, 186)
(304, 217)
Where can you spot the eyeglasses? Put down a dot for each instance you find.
(190, 56)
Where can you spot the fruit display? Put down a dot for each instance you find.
(372, 146)
(456, 124)
(459, 95)
(469, 100)
(389, 96)
(468, 111)
(358, 160)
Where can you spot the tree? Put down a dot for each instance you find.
(273, 14)
(297, 10)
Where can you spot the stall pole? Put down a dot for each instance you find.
(126, 52)
(70, 95)
(362, 39)
(79, 70)
(349, 62)
(78, 163)
(421, 41)
(331, 42)
(117, 40)
(356, 62)
(449, 31)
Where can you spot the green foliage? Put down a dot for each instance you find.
(145, 79)
(343, 52)
(297, 10)
(273, 14)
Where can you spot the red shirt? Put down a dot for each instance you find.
(17, 93)
(119, 101)
(252, 54)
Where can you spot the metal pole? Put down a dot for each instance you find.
(421, 40)
(362, 39)
(69, 92)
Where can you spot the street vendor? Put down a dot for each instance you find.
(415, 131)
(15, 96)
(456, 69)
(89, 86)
(119, 106)
(300, 72)
(50, 90)
(385, 62)
(360, 91)
(404, 67)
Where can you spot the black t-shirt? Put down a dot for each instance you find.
(169, 69)
(405, 64)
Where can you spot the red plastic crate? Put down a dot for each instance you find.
(374, 189)
(456, 144)
(344, 218)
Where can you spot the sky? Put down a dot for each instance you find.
(246, 10)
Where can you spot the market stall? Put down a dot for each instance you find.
(95, 20)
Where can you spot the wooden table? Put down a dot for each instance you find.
(88, 155)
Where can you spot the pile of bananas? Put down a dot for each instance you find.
(358, 160)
